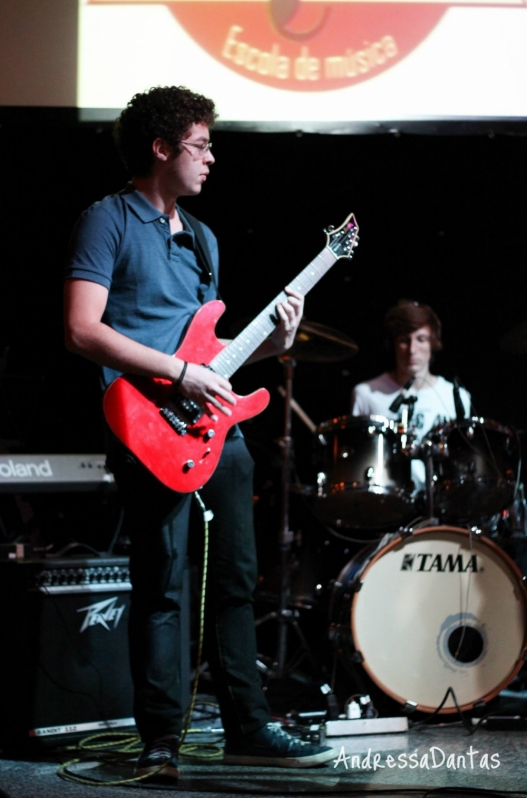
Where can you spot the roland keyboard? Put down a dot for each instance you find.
(22, 473)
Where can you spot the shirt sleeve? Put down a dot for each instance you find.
(358, 402)
(93, 247)
(467, 402)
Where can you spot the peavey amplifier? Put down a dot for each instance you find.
(64, 671)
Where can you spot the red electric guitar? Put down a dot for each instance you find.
(169, 433)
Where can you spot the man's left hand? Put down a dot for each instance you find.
(290, 315)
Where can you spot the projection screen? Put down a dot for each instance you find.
(311, 64)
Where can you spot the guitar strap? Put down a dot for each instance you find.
(202, 248)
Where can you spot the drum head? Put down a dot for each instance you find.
(440, 609)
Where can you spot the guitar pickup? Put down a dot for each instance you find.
(180, 412)
(177, 423)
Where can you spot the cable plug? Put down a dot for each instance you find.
(367, 708)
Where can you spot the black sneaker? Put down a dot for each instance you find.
(274, 747)
(159, 758)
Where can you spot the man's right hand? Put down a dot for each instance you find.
(87, 335)
(208, 389)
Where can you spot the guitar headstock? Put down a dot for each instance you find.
(342, 240)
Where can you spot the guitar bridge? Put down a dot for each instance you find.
(180, 412)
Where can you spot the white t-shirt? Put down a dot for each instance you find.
(434, 405)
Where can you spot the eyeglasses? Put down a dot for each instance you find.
(203, 147)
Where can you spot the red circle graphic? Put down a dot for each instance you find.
(307, 46)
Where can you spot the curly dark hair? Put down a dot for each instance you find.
(406, 317)
(165, 112)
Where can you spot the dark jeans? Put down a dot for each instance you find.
(157, 521)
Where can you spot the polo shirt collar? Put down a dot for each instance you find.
(140, 205)
(146, 211)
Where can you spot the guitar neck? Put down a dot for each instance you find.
(242, 347)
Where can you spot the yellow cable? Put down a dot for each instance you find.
(207, 516)
(131, 741)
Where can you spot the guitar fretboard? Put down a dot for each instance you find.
(242, 347)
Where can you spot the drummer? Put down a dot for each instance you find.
(413, 335)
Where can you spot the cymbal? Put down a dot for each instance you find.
(316, 343)
(515, 340)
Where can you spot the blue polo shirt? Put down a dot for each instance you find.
(155, 281)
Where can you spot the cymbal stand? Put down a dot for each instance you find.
(425, 452)
(285, 534)
(284, 616)
(407, 411)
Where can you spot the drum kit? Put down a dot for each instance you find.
(431, 608)
(364, 472)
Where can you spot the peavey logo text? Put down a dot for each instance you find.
(442, 563)
(24, 470)
(103, 613)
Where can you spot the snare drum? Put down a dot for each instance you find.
(363, 477)
(475, 474)
(441, 608)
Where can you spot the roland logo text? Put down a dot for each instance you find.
(10, 470)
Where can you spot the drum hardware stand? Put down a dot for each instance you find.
(284, 616)
(407, 445)
(312, 427)
(427, 452)
(403, 425)
(424, 452)
(406, 413)
(429, 485)
(278, 668)
(317, 344)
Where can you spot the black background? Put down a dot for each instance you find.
(442, 221)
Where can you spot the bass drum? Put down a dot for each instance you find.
(440, 609)
(475, 474)
(363, 477)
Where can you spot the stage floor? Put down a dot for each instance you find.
(427, 758)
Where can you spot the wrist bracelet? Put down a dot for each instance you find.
(180, 378)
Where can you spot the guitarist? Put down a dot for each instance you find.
(138, 269)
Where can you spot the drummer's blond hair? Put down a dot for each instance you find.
(406, 317)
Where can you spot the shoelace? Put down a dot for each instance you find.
(161, 749)
(276, 729)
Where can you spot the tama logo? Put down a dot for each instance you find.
(442, 563)
(22, 470)
(103, 613)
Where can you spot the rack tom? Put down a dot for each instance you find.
(363, 476)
